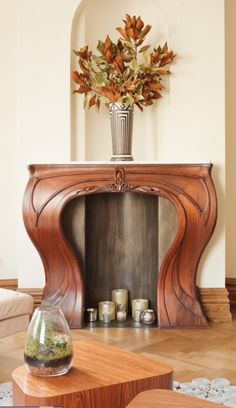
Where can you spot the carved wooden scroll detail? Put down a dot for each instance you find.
(190, 189)
(119, 185)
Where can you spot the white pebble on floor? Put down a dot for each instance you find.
(218, 390)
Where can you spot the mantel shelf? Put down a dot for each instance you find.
(128, 163)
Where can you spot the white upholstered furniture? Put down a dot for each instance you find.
(15, 310)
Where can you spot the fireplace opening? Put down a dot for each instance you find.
(120, 240)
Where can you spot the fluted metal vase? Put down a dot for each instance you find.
(121, 129)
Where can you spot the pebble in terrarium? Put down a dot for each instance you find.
(48, 347)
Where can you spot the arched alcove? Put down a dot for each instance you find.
(90, 131)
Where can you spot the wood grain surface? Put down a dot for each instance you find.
(168, 399)
(192, 353)
(102, 376)
(121, 246)
(190, 189)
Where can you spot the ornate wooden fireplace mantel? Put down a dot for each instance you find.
(189, 187)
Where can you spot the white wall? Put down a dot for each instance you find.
(8, 126)
(43, 104)
(191, 127)
(230, 139)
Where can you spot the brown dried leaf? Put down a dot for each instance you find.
(130, 33)
(75, 77)
(97, 105)
(165, 48)
(83, 67)
(92, 101)
(82, 89)
(139, 24)
(146, 30)
(145, 48)
(139, 106)
(122, 32)
(139, 42)
(136, 34)
(133, 21)
(112, 95)
(167, 59)
(163, 72)
(155, 56)
(147, 102)
(156, 95)
(128, 21)
(152, 86)
(119, 63)
(108, 49)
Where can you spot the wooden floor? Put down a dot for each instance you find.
(192, 353)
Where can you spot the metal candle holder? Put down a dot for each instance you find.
(106, 307)
(139, 304)
(120, 297)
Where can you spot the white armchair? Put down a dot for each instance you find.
(15, 311)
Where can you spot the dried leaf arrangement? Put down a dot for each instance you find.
(125, 72)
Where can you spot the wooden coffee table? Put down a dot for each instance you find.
(102, 376)
(168, 399)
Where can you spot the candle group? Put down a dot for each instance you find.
(117, 308)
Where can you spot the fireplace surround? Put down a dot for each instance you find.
(189, 187)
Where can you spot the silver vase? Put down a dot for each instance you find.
(121, 129)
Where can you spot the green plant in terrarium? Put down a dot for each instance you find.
(48, 346)
(55, 346)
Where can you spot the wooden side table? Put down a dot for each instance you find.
(168, 399)
(102, 376)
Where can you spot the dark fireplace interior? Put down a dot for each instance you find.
(120, 240)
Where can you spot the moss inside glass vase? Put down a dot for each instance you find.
(48, 352)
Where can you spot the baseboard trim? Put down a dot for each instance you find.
(231, 287)
(9, 284)
(36, 293)
(216, 304)
(215, 301)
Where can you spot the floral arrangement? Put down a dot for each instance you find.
(125, 72)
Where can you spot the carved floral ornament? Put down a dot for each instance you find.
(121, 185)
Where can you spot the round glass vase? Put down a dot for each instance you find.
(48, 346)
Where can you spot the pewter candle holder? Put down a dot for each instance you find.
(91, 314)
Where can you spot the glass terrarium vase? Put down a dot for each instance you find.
(48, 346)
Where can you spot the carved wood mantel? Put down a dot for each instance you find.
(190, 189)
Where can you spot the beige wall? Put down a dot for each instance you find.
(187, 126)
(230, 138)
(8, 133)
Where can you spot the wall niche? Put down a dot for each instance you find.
(90, 131)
